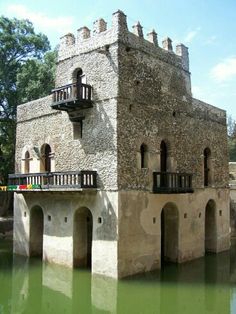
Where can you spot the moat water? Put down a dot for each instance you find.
(206, 285)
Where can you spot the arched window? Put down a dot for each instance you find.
(46, 158)
(79, 75)
(27, 162)
(163, 165)
(144, 156)
(207, 170)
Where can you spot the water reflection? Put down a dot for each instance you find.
(202, 286)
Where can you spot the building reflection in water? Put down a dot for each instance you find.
(201, 286)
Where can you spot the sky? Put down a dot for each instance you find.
(206, 27)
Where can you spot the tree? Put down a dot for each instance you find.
(231, 125)
(37, 77)
(24, 61)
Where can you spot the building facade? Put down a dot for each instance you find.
(120, 168)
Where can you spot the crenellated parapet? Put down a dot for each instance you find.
(101, 36)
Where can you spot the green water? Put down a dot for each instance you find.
(206, 285)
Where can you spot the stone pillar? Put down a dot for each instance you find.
(99, 26)
(119, 22)
(152, 37)
(83, 33)
(167, 44)
(182, 51)
(138, 30)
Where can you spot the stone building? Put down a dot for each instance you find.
(120, 168)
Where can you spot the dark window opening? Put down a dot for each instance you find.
(207, 154)
(143, 153)
(163, 165)
(79, 75)
(47, 158)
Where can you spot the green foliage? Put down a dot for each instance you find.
(26, 73)
(36, 78)
(232, 148)
(231, 125)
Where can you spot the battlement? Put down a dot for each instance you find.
(101, 36)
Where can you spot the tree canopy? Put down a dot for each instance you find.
(27, 68)
(231, 124)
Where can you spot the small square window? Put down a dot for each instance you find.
(199, 215)
(154, 220)
(65, 219)
(220, 212)
(185, 215)
(99, 220)
(49, 218)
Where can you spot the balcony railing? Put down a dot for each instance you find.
(172, 182)
(71, 96)
(47, 180)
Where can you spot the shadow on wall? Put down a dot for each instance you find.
(6, 204)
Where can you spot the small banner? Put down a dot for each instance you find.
(20, 187)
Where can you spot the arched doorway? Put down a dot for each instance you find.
(169, 233)
(82, 238)
(210, 227)
(79, 76)
(46, 158)
(207, 174)
(36, 231)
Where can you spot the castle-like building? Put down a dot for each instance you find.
(120, 168)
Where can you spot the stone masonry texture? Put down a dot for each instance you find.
(141, 94)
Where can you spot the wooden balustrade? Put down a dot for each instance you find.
(172, 182)
(75, 179)
(71, 93)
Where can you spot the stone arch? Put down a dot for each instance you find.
(45, 160)
(27, 162)
(165, 144)
(78, 76)
(82, 237)
(210, 226)
(36, 231)
(26, 157)
(169, 233)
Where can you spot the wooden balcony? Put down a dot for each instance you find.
(53, 180)
(72, 96)
(172, 182)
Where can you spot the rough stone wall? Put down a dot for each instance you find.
(39, 124)
(141, 94)
(154, 105)
(97, 55)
